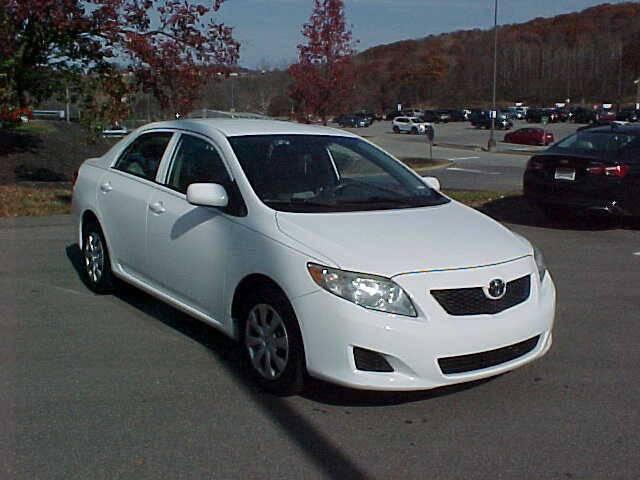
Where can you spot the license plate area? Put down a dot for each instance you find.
(568, 174)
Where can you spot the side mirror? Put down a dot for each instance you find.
(207, 195)
(432, 182)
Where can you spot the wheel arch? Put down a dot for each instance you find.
(248, 284)
(86, 217)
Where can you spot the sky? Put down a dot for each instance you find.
(270, 30)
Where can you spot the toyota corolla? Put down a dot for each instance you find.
(322, 254)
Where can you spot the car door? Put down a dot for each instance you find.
(188, 245)
(123, 193)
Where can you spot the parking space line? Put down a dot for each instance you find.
(470, 170)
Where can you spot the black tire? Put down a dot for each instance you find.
(96, 262)
(396, 129)
(290, 381)
(414, 130)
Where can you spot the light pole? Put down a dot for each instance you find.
(233, 106)
(637, 83)
(492, 141)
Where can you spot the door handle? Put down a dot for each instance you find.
(106, 187)
(157, 207)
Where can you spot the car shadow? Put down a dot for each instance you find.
(517, 210)
(330, 394)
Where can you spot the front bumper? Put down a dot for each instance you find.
(332, 327)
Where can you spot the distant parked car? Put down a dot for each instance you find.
(430, 116)
(628, 115)
(593, 170)
(352, 121)
(415, 125)
(484, 121)
(457, 115)
(605, 116)
(444, 115)
(562, 114)
(368, 116)
(530, 136)
(583, 115)
(518, 113)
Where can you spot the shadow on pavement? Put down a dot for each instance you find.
(330, 394)
(516, 210)
(326, 456)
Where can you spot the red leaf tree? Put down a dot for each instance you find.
(322, 78)
(167, 44)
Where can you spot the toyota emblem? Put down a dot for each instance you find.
(496, 289)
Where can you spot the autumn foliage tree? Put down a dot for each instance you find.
(323, 76)
(165, 44)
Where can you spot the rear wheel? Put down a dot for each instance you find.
(95, 259)
(396, 129)
(414, 130)
(273, 343)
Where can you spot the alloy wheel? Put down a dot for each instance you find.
(94, 257)
(267, 341)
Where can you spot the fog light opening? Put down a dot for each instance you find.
(370, 361)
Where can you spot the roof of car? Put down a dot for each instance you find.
(234, 127)
(616, 127)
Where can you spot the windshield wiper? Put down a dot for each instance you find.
(363, 201)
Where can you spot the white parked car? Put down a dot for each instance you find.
(319, 252)
(414, 125)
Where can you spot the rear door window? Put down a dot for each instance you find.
(142, 157)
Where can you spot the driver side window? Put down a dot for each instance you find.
(196, 161)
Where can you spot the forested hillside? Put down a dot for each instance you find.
(590, 56)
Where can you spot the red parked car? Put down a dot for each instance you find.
(530, 136)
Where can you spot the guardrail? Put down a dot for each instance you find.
(50, 114)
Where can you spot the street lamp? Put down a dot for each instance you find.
(637, 84)
(492, 141)
(233, 107)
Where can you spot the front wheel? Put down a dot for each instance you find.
(273, 343)
(396, 129)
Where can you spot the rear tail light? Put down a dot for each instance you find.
(535, 164)
(619, 171)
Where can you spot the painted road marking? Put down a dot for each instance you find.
(470, 170)
(637, 254)
(463, 158)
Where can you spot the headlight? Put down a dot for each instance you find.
(539, 258)
(368, 291)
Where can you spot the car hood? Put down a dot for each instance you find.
(393, 242)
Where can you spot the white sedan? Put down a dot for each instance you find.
(322, 254)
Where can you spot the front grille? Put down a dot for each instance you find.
(473, 301)
(491, 358)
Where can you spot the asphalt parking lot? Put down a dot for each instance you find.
(460, 143)
(106, 387)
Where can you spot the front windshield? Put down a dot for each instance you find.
(312, 173)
